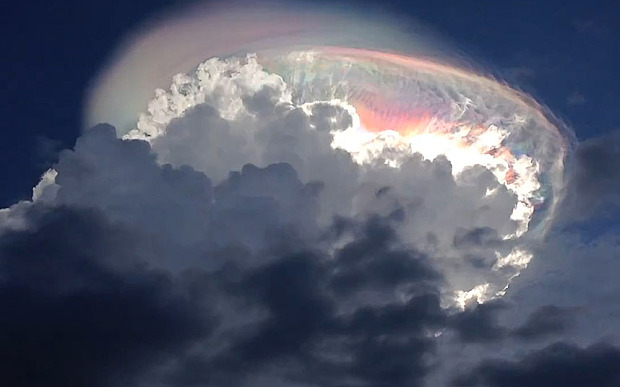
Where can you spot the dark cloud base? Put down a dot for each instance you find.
(69, 319)
(559, 364)
(151, 275)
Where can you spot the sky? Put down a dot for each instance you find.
(241, 235)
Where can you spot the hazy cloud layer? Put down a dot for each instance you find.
(556, 365)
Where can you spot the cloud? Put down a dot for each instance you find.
(78, 308)
(170, 279)
(174, 280)
(240, 247)
(545, 321)
(559, 364)
(322, 328)
(593, 183)
(478, 324)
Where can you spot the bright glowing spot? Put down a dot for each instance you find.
(478, 294)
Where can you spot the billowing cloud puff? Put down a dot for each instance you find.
(245, 281)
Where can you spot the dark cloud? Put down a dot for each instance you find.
(78, 309)
(594, 180)
(477, 237)
(319, 328)
(597, 162)
(478, 324)
(481, 323)
(545, 321)
(98, 289)
(371, 261)
(576, 98)
(178, 208)
(559, 364)
(133, 271)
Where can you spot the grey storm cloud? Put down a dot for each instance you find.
(149, 274)
(316, 331)
(482, 323)
(169, 279)
(478, 324)
(78, 281)
(250, 252)
(166, 278)
(72, 316)
(546, 321)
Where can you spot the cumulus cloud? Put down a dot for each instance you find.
(322, 322)
(236, 275)
(362, 314)
(232, 112)
(236, 245)
(478, 324)
(79, 308)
